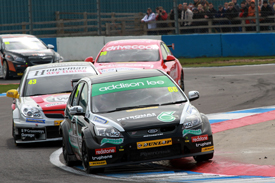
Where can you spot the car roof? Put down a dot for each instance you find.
(15, 35)
(62, 64)
(133, 42)
(125, 75)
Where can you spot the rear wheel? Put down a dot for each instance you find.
(6, 70)
(204, 157)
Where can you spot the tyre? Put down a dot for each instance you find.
(5, 70)
(181, 81)
(15, 137)
(65, 153)
(204, 157)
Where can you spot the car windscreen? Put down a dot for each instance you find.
(54, 80)
(129, 55)
(135, 93)
(24, 43)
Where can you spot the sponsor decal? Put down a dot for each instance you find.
(193, 132)
(117, 86)
(153, 135)
(30, 120)
(121, 149)
(97, 163)
(27, 135)
(199, 138)
(139, 109)
(166, 116)
(102, 157)
(148, 115)
(55, 104)
(205, 149)
(60, 71)
(105, 150)
(203, 144)
(187, 141)
(118, 69)
(57, 122)
(100, 120)
(133, 47)
(112, 141)
(155, 153)
(34, 131)
(154, 143)
(20, 74)
(58, 98)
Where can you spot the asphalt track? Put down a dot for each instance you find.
(243, 153)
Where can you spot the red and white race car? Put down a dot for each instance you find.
(135, 54)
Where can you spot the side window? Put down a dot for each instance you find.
(83, 98)
(163, 52)
(76, 94)
(167, 49)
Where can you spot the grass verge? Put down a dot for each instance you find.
(5, 88)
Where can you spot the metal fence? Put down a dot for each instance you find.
(54, 18)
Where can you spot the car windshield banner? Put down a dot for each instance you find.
(134, 84)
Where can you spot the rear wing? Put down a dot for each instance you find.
(172, 46)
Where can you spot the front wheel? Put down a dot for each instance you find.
(204, 157)
(66, 153)
(15, 137)
(6, 70)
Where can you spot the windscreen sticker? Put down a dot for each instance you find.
(128, 65)
(60, 71)
(103, 53)
(173, 89)
(32, 82)
(133, 47)
(118, 69)
(117, 86)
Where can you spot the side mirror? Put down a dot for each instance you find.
(193, 95)
(170, 58)
(12, 93)
(89, 59)
(76, 110)
(50, 46)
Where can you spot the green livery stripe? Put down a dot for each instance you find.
(133, 84)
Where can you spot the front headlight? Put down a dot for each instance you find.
(107, 132)
(31, 112)
(193, 119)
(16, 58)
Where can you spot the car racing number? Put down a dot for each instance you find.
(32, 82)
(173, 89)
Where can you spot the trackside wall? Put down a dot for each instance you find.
(189, 46)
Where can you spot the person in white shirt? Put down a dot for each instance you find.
(150, 17)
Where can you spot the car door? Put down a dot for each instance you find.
(171, 65)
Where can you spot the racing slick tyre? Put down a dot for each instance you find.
(5, 70)
(204, 157)
(66, 154)
(85, 160)
(15, 137)
(181, 81)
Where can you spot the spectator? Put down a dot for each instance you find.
(172, 13)
(248, 3)
(150, 17)
(244, 12)
(271, 3)
(205, 6)
(196, 3)
(161, 16)
(199, 14)
(236, 5)
(186, 15)
(251, 13)
(191, 6)
(266, 10)
(232, 13)
(225, 5)
(211, 11)
(221, 14)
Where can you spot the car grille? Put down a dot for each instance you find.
(153, 153)
(40, 60)
(54, 115)
(160, 131)
(52, 131)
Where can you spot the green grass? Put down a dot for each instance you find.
(225, 61)
(5, 88)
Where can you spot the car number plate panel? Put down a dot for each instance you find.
(33, 134)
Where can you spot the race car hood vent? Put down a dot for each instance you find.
(150, 117)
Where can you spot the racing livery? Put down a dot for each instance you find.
(40, 100)
(136, 54)
(129, 117)
(18, 51)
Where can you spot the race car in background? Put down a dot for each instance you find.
(41, 98)
(136, 54)
(130, 117)
(18, 51)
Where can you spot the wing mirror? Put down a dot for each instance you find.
(76, 110)
(89, 59)
(50, 46)
(170, 58)
(12, 93)
(193, 95)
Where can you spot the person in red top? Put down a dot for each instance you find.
(161, 15)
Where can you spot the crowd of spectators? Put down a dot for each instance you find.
(202, 9)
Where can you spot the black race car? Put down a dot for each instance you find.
(18, 51)
(132, 117)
